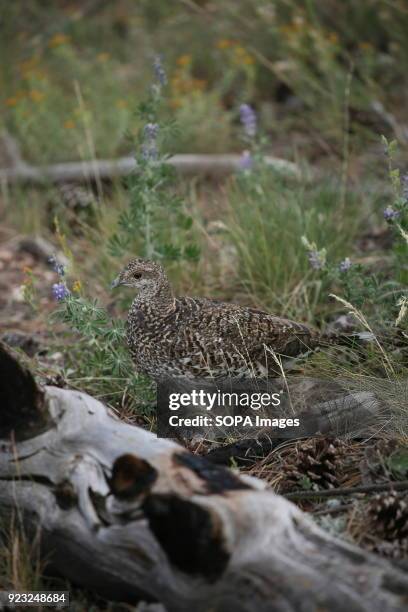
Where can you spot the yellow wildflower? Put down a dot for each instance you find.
(69, 124)
(28, 66)
(241, 56)
(184, 60)
(57, 40)
(333, 38)
(13, 101)
(176, 103)
(224, 43)
(102, 57)
(365, 46)
(240, 51)
(36, 95)
(77, 286)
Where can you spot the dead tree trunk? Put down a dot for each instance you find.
(133, 516)
(216, 165)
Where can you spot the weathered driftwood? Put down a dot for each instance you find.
(100, 170)
(133, 516)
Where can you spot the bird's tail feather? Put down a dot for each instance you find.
(354, 338)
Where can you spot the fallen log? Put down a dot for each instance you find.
(102, 170)
(136, 517)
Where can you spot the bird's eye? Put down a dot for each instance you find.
(137, 275)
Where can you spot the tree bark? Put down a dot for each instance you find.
(136, 517)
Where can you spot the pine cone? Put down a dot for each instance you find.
(319, 460)
(388, 513)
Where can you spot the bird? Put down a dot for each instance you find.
(201, 338)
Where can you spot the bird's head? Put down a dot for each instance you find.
(142, 274)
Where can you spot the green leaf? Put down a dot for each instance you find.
(305, 483)
(169, 251)
(192, 252)
(185, 222)
(118, 244)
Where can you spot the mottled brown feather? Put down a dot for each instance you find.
(203, 338)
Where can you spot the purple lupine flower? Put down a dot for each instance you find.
(60, 291)
(58, 267)
(159, 71)
(150, 131)
(248, 119)
(149, 151)
(246, 161)
(345, 264)
(390, 214)
(316, 260)
(149, 147)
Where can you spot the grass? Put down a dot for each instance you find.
(20, 564)
(268, 217)
(22, 569)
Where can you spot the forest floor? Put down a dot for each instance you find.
(290, 467)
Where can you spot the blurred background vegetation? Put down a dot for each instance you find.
(313, 71)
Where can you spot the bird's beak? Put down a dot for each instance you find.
(115, 283)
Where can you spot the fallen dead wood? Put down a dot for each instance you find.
(401, 485)
(102, 170)
(134, 516)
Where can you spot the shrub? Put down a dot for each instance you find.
(153, 225)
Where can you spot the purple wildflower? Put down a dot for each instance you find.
(60, 291)
(149, 152)
(248, 119)
(390, 214)
(149, 147)
(150, 131)
(159, 71)
(58, 267)
(345, 264)
(316, 260)
(246, 161)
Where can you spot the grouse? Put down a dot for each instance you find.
(199, 338)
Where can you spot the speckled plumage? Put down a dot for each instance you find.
(203, 338)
